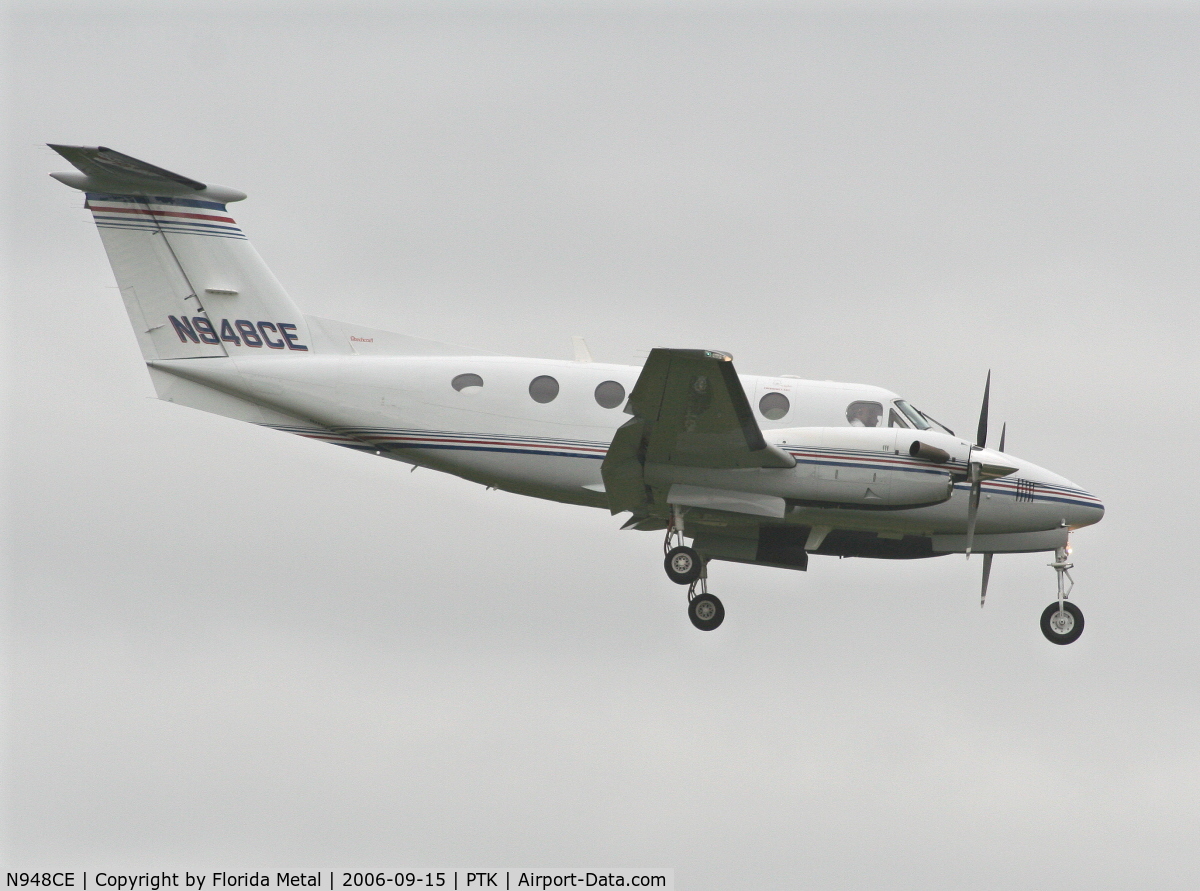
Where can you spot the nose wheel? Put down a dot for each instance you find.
(1062, 621)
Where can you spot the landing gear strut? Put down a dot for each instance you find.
(685, 566)
(1062, 621)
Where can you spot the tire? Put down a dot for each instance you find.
(1065, 629)
(683, 565)
(706, 612)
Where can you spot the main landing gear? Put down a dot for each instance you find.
(704, 609)
(685, 566)
(1062, 621)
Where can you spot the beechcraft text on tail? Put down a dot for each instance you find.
(764, 470)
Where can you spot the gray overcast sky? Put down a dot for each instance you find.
(229, 648)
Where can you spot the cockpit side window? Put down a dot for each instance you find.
(894, 419)
(864, 414)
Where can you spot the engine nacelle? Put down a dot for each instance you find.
(866, 468)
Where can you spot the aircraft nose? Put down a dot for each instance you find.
(1087, 515)
(1081, 507)
(1062, 500)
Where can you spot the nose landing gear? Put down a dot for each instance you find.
(1062, 621)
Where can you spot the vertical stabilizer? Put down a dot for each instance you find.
(192, 283)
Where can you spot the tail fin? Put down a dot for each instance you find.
(192, 284)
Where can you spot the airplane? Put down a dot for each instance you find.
(748, 469)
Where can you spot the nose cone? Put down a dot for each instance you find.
(1077, 506)
(1086, 513)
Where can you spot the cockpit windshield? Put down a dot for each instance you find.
(919, 419)
(914, 417)
(899, 414)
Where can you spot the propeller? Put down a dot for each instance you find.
(987, 571)
(975, 468)
(987, 558)
(981, 433)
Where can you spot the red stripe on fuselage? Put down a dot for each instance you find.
(894, 461)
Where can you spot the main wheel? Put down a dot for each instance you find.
(683, 565)
(1062, 626)
(706, 612)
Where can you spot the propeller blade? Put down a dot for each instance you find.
(987, 571)
(975, 477)
(981, 433)
(1003, 433)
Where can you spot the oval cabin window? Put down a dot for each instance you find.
(463, 381)
(543, 388)
(610, 394)
(774, 406)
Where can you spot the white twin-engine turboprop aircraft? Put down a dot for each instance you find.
(762, 470)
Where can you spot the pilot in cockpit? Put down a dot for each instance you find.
(864, 414)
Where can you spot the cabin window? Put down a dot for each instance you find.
(774, 406)
(466, 381)
(543, 388)
(864, 414)
(609, 394)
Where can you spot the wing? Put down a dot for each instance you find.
(689, 410)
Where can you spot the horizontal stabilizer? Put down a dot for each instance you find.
(107, 170)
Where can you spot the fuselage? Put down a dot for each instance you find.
(543, 427)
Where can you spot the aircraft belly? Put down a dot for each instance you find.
(551, 470)
(554, 478)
